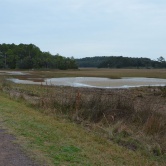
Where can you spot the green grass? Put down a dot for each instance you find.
(60, 142)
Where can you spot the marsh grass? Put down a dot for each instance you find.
(155, 124)
(163, 91)
(115, 114)
(94, 72)
(128, 119)
(56, 141)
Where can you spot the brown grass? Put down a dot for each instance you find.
(117, 114)
(133, 118)
(94, 72)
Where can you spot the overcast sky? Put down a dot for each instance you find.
(84, 28)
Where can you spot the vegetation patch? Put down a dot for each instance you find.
(60, 142)
(132, 118)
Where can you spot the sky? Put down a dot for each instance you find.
(87, 28)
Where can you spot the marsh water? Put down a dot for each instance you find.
(124, 82)
(98, 82)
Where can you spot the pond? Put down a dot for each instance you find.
(125, 82)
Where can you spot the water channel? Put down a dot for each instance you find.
(124, 82)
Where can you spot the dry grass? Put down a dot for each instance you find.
(133, 118)
(116, 114)
(94, 72)
(60, 142)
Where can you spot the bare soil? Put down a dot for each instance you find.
(11, 153)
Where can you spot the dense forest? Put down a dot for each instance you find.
(29, 56)
(121, 62)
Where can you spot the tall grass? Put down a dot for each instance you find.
(132, 123)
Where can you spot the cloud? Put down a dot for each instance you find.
(88, 27)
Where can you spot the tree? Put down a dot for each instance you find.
(161, 59)
(1, 60)
(28, 56)
(162, 62)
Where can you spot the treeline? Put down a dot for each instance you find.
(121, 62)
(29, 56)
(90, 61)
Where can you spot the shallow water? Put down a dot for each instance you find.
(13, 73)
(124, 82)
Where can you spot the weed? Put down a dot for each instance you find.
(163, 91)
(155, 124)
(4, 83)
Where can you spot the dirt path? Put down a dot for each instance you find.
(11, 153)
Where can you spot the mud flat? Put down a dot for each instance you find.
(125, 82)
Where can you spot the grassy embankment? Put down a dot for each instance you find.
(60, 142)
(131, 118)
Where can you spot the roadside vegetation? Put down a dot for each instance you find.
(56, 141)
(130, 122)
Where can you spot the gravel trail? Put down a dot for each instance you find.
(11, 153)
